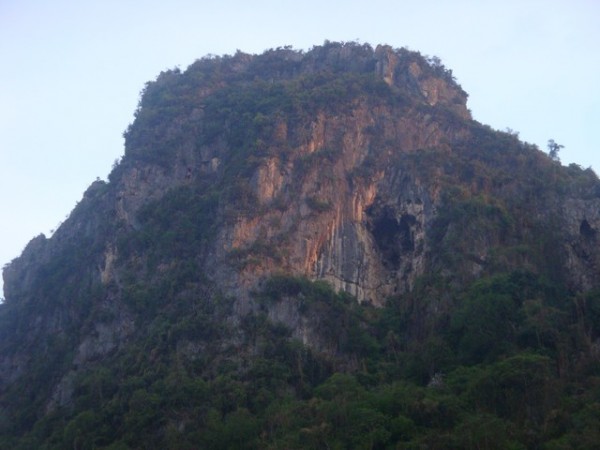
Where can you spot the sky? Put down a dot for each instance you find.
(71, 72)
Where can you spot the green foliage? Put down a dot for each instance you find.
(496, 378)
(477, 355)
(588, 306)
(213, 101)
(176, 226)
(462, 216)
(486, 322)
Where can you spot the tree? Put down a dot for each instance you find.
(553, 149)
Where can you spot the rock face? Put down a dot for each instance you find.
(329, 178)
(357, 166)
(364, 234)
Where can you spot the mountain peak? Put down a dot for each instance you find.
(325, 211)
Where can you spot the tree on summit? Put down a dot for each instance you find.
(553, 149)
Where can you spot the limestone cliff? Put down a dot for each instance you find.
(361, 167)
(316, 176)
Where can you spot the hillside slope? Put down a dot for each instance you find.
(289, 232)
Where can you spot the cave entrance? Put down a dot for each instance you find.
(586, 230)
(393, 237)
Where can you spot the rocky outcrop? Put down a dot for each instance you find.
(358, 166)
(582, 224)
(335, 196)
(365, 235)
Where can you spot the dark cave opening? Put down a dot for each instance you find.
(392, 236)
(586, 230)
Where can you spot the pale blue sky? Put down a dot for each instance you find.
(71, 73)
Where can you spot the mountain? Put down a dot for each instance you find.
(314, 249)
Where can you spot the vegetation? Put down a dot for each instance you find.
(491, 347)
(553, 149)
(515, 369)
